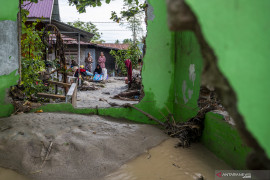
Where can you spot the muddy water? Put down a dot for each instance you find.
(6, 174)
(165, 162)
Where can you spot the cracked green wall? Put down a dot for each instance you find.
(187, 55)
(237, 30)
(218, 136)
(8, 77)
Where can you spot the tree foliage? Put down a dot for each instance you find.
(127, 41)
(89, 27)
(133, 53)
(32, 53)
(82, 4)
(132, 13)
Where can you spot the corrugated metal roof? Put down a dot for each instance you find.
(42, 9)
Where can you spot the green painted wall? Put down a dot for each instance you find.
(5, 82)
(218, 136)
(187, 56)
(224, 141)
(237, 30)
(8, 11)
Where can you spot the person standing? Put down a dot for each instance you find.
(128, 64)
(102, 61)
(88, 62)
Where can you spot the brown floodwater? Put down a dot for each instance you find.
(165, 162)
(6, 174)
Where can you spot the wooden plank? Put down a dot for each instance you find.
(60, 83)
(71, 89)
(72, 94)
(51, 96)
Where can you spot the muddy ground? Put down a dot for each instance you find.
(67, 146)
(103, 94)
(165, 162)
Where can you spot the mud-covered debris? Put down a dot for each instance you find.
(136, 83)
(129, 95)
(16, 93)
(27, 106)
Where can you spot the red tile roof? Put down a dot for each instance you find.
(116, 46)
(42, 9)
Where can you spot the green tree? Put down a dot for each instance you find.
(117, 42)
(133, 53)
(82, 4)
(32, 52)
(127, 41)
(89, 27)
(133, 15)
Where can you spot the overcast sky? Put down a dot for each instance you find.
(100, 16)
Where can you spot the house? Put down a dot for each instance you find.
(48, 12)
(71, 52)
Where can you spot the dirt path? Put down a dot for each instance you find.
(81, 146)
(91, 99)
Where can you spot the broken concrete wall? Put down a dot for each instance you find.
(225, 32)
(8, 53)
(236, 30)
(224, 141)
(217, 133)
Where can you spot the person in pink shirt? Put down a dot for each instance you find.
(102, 60)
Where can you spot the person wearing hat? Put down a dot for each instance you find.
(82, 71)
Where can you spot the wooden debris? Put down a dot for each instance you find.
(5, 128)
(186, 132)
(47, 154)
(148, 115)
(59, 83)
(129, 93)
(51, 96)
(124, 98)
(87, 88)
